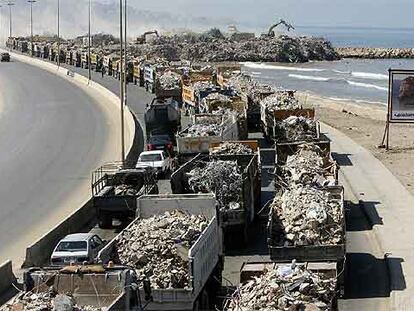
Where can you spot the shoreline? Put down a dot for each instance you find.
(375, 52)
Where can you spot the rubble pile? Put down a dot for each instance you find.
(205, 126)
(264, 49)
(297, 129)
(169, 81)
(157, 247)
(203, 85)
(303, 215)
(288, 287)
(232, 148)
(217, 97)
(308, 166)
(223, 178)
(47, 301)
(280, 100)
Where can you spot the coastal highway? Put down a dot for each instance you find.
(52, 135)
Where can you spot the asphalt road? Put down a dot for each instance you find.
(52, 135)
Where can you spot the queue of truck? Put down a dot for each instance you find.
(216, 182)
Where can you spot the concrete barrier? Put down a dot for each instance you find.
(7, 277)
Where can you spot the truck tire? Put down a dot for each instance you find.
(104, 221)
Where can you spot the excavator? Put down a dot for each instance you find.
(142, 39)
(271, 32)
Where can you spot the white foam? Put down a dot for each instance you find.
(369, 75)
(277, 67)
(256, 73)
(313, 78)
(367, 85)
(340, 71)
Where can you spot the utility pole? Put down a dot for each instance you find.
(31, 24)
(125, 53)
(58, 31)
(1, 20)
(89, 43)
(121, 84)
(10, 4)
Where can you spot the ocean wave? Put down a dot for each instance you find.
(276, 67)
(256, 73)
(369, 75)
(313, 78)
(343, 72)
(367, 85)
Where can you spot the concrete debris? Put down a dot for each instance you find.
(297, 129)
(281, 100)
(48, 301)
(217, 97)
(303, 215)
(203, 85)
(288, 287)
(232, 148)
(309, 166)
(169, 81)
(223, 178)
(264, 49)
(205, 126)
(157, 247)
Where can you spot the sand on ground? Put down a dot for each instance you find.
(365, 124)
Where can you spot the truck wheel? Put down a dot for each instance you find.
(105, 221)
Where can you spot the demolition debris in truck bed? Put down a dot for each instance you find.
(286, 287)
(155, 247)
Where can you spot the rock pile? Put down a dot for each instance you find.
(169, 81)
(303, 215)
(308, 166)
(288, 287)
(157, 247)
(223, 178)
(48, 301)
(205, 126)
(297, 129)
(232, 148)
(370, 52)
(125, 190)
(265, 49)
(280, 100)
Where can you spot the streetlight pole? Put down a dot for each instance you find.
(58, 31)
(89, 43)
(31, 24)
(125, 54)
(10, 4)
(121, 83)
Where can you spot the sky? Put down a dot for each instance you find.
(171, 15)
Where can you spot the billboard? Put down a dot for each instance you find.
(401, 96)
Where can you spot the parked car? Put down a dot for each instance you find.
(5, 57)
(161, 142)
(77, 248)
(157, 159)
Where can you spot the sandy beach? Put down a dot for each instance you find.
(365, 124)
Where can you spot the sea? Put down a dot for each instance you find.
(363, 81)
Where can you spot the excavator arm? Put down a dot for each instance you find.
(143, 38)
(271, 32)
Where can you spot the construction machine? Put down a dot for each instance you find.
(143, 38)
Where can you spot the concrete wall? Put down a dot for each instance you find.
(7, 277)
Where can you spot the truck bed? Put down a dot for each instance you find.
(203, 256)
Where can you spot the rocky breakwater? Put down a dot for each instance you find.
(374, 53)
(214, 47)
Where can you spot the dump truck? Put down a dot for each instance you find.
(311, 253)
(162, 115)
(97, 286)
(205, 257)
(115, 190)
(270, 117)
(231, 220)
(193, 94)
(284, 150)
(153, 77)
(188, 144)
(259, 280)
(109, 63)
(138, 73)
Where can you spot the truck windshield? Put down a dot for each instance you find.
(72, 246)
(150, 157)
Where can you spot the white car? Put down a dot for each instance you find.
(157, 159)
(76, 249)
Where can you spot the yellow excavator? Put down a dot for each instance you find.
(143, 39)
(271, 32)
